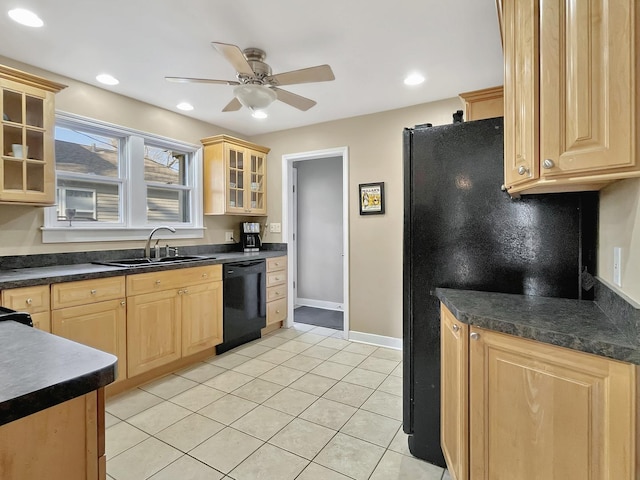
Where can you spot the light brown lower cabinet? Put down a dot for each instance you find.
(33, 300)
(92, 312)
(276, 290)
(63, 442)
(172, 314)
(535, 411)
(101, 325)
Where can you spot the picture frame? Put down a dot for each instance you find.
(371, 198)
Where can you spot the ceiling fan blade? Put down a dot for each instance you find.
(297, 101)
(234, 56)
(320, 73)
(200, 80)
(233, 105)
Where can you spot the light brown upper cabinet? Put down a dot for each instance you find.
(27, 167)
(235, 177)
(571, 94)
(485, 103)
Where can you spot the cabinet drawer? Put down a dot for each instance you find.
(86, 291)
(276, 311)
(276, 264)
(27, 299)
(276, 292)
(276, 278)
(158, 281)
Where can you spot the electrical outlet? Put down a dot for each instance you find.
(228, 236)
(617, 266)
(274, 228)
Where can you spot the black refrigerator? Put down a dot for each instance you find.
(462, 231)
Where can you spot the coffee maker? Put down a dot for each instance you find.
(251, 241)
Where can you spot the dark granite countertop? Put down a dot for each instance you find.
(26, 277)
(39, 370)
(576, 324)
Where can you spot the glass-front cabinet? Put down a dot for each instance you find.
(235, 176)
(27, 169)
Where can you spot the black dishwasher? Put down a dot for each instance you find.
(244, 298)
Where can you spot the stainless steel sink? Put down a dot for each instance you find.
(148, 262)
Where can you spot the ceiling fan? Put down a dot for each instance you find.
(256, 88)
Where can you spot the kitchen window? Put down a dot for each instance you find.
(115, 183)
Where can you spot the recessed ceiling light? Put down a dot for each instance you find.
(184, 106)
(414, 79)
(259, 114)
(107, 79)
(25, 17)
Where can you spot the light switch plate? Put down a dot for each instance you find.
(228, 236)
(275, 228)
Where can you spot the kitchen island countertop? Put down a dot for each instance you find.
(39, 370)
(575, 324)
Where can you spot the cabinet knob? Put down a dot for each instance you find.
(180, 292)
(185, 291)
(522, 170)
(277, 292)
(123, 303)
(474, 336)
(93, 292)
(157, 282)
(455, 327)
(205, 275)
(29, 301)
(277, 311)
(548, 163)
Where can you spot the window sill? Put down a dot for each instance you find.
(112, 234)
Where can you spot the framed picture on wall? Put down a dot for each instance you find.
(371, 198)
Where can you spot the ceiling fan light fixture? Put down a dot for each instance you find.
(255, 97)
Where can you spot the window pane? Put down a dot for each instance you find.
(168, 206)
(88, 201)
(164, 166)
(83, 152)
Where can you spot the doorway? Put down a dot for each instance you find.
(289, 234)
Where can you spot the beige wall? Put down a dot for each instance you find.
(620, 227)
(20, 226)
(375, 243)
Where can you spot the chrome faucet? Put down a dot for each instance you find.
(147, 247)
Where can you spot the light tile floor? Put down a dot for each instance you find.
(300, 403)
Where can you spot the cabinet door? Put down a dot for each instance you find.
(236, 178)
(100, 325)
(153, 331)
(521, 138)
(42, 321)
(256, 186)
(454, 394)
(543, 412)
(27, 144)
(588, 85)
(201, 317)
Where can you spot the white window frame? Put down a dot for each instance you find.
(134, 225)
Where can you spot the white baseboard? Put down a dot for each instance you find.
(309, 302)
(378, 340)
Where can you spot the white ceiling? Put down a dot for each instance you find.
(371, 46)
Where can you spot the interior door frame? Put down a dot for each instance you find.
(288, 219)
